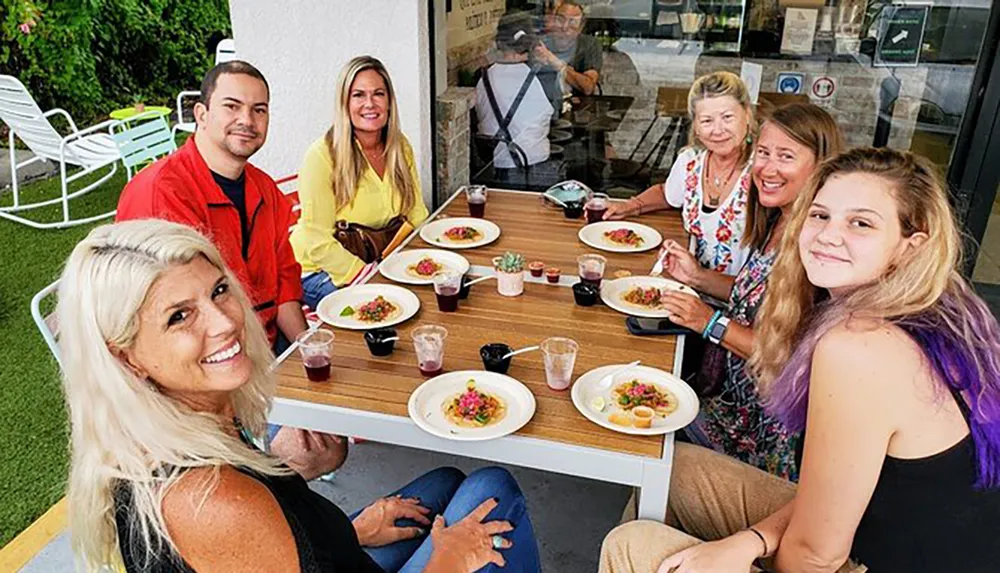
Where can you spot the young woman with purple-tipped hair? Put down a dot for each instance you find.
(872, 343)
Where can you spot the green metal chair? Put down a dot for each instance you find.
(142, 140)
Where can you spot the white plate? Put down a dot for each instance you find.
(330, 307)
(433, 232)
(611, 292)
(586, 388)
(593, 235)
(395, 266)
(426, 401)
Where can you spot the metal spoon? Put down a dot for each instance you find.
(519, 351)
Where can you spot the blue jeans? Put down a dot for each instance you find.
(446, 491)
(315, 287)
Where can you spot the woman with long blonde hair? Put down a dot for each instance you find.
(167, 380)
(358, 180)
(874, 345)
(710, 179)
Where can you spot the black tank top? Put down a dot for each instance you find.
(324, 537)
(925, 516)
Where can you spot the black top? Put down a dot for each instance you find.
(236, 191)
(324, 536)
(925, 516)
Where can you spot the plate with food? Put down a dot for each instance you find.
(362, 307)
(620, 236)
(417, 266)
(644, 401)
(471, 405)
(460, 232)
(640, 295)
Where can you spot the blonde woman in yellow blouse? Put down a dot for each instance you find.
(362, 171)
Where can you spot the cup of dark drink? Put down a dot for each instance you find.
(315, 347)
(428, 342)
(573, 209)
(381, 341)
(493, 357)
(595, 209)
(585, 294)
(552, 275)
(536, 268)
(476, 197)
(591, 268)
(447, 286)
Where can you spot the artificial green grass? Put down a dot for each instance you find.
(34, 433)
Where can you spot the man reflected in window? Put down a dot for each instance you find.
(570, 60)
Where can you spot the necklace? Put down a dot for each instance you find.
(713, 200)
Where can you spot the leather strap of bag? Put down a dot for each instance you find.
(365, 242)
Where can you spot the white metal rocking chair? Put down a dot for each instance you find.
(90, 149)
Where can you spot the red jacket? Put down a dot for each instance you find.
(180, 188)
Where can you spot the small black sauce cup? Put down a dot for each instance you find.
(585, 294)
(573, 209)
(463, 291)
(491, 355)
(376, 340)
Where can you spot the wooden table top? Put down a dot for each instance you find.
(361, 381)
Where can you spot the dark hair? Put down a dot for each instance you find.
(809, 125)
(571, 4)
(230, 67)
(516, 32)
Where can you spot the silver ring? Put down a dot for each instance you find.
(497, 541)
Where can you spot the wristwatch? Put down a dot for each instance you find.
(718, 330)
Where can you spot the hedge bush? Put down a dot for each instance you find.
(93, 56)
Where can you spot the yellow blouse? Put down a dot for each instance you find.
(312, 237)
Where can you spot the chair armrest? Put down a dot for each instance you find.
(180, 106)
(64, 113)
(47, 325)
(108, 124)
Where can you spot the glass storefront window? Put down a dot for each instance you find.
(891, 73)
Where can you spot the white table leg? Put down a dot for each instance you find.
(655, 486)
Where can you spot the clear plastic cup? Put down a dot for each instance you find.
(476, 195)
(428, 342)
(559, 355)
(447, 287)
(591, 268)
(595, 209)
(315, 346)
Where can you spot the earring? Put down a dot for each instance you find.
(749, 139)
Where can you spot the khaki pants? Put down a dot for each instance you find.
(711, 496)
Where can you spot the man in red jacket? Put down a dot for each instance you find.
(209, 185)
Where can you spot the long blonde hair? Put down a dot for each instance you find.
(349, 161)
(125, 433)
(719, 84)
(809, 125)
(911, 285)
(922, 294)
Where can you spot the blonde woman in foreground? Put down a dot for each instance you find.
(872, 343)
(167, 380)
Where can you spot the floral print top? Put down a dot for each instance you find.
(734, 422)
(717, 234)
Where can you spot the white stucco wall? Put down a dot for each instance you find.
(300, 46)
